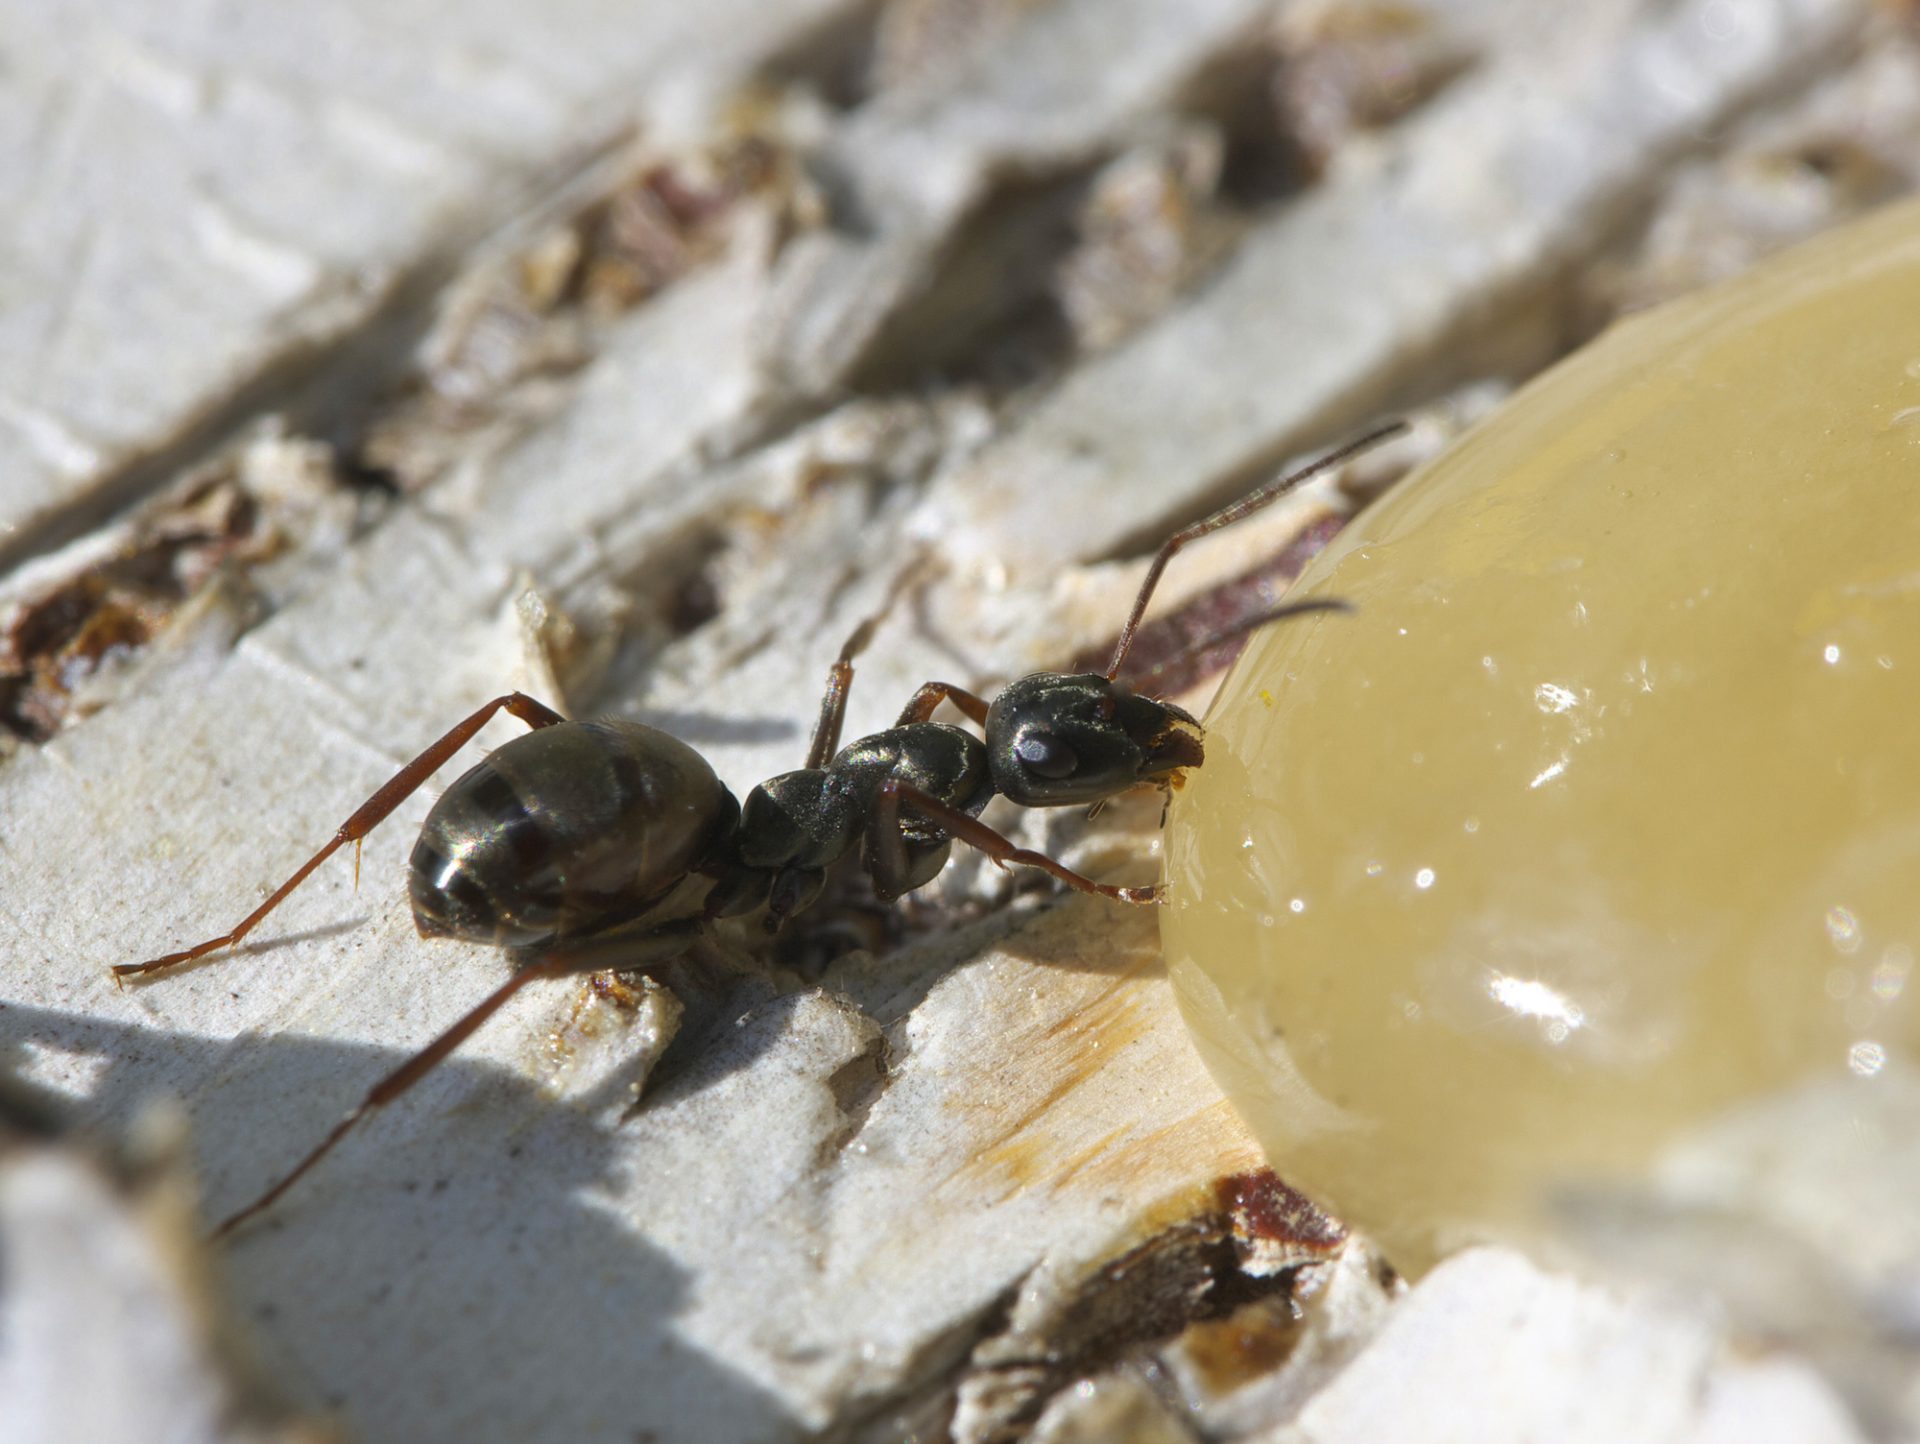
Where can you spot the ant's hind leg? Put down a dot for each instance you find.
(895, 795)
(630, 949)
(394, 1084)
(371, 813)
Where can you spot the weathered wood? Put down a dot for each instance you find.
(913, 1196)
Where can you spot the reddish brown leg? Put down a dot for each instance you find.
(833, 704)
(895, 794)
(624, 949)
(932, 694)
(370, 814)
(398, 1082)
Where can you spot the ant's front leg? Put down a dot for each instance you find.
(895, 794)
(932, 694)
(370, 815)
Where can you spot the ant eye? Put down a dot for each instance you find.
(1046, 755)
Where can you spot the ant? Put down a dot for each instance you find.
(563, 845)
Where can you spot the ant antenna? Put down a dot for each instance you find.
(1231, 513)
(1149, 680)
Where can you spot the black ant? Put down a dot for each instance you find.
(563, 844)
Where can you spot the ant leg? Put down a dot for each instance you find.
(394, 1084)
(370, 814)
(833, 704)
(932, 694)
(591, 957)
(969, 829)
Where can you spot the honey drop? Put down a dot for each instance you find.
(1598, 820)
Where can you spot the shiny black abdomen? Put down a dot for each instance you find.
(564, 831)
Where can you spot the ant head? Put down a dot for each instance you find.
(1055, 740)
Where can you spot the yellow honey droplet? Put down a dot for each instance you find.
(1603, 808)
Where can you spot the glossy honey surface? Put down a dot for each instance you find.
(1602, 813)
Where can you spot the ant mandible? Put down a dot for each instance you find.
(562, 844)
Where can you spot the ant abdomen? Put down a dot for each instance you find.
(556, 834)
